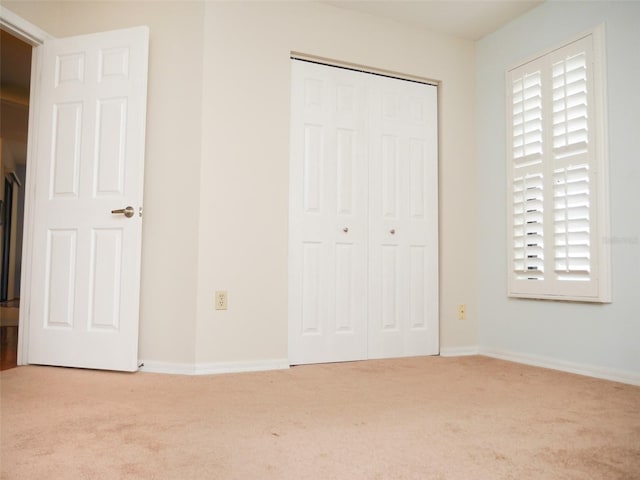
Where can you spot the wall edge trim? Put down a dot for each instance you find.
(614, 375)
(151, 366)
(458, 351)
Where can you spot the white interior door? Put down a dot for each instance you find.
(90, 138)
(403, 268)
(363, 266)
(328, 215)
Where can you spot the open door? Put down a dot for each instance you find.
(89, 141)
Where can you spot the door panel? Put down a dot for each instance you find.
(60, 287)
(67, 126)
(105, 279)
(344, 289)
(417, 298)
(389, 177)
(311, 276)
(417, 160)
(110, 139)
(313, 137)
(390, 303)
(85, 278)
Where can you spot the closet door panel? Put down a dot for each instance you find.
(363, 269)
(403, 218)
(328, 215)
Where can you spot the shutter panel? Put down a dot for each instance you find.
(570, 131)
(527, 121)
(528, 233)
(572, 223)
(527, 200)
(571, 192)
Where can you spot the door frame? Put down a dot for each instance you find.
(34, 36)
(294, 55)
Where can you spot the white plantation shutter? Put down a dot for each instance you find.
(556, 197)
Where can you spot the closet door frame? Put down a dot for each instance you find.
(338, 286)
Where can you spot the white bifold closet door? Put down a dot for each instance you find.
(363, 241)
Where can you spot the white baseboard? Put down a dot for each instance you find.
(632, 378)
(213, 368)
(458, 351)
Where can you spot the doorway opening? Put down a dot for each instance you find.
(15, 79)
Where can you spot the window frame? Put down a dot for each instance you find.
(598, 287)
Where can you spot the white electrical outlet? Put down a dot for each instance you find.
(221, 300)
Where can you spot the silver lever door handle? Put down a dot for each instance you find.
(127, 212)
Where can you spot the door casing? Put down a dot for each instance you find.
(35, 36)
(430, 214)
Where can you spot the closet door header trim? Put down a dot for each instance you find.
(362, 69)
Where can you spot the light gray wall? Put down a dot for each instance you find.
(599, 337)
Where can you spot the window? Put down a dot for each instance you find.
(557, 175)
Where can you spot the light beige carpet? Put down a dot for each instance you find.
(418, 418)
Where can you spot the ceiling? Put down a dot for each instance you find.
(468, 19)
